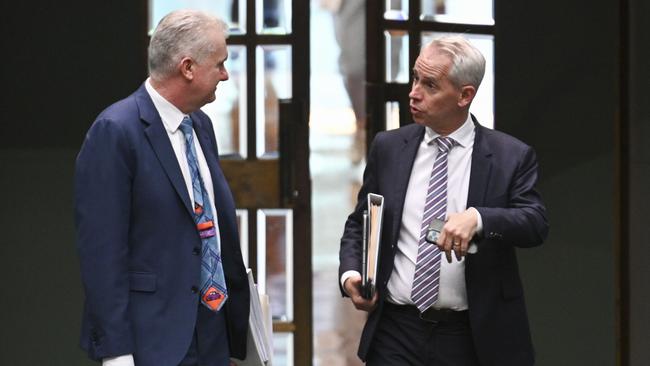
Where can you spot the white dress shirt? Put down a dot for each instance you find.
(172, 118)
(452, 291)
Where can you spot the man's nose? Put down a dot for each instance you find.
(225, 75)
(414, 93)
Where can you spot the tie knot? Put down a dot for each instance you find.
(186, 126)
(445, 143)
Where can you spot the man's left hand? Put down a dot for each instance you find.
(457, 233)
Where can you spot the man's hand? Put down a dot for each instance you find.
(352, 287)
(457, 233)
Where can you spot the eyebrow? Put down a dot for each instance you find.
(425, 78)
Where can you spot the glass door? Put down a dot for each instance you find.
(261, 126)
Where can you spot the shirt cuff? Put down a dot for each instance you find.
(346, 275)
(125, 360)
(473, 248)
(479, 221)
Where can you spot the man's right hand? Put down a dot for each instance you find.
(352, 287)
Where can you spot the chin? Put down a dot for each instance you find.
(419, 121)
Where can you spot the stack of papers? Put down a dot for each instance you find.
(259, 350)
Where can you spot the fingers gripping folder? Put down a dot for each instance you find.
(372, 221)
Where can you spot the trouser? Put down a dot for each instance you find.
(402, 338)
(210, 341)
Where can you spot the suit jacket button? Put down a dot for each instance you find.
(196, 251)
(195, 289)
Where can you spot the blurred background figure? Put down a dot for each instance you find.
(335, 178)
(350, 31)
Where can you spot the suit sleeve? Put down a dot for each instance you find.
(103, 178)
(351, 251)
(522, 222)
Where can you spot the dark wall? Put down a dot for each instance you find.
(639, 183)
(63, 63)
(557, 89)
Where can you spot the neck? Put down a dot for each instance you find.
(455, 123)
(172, 92)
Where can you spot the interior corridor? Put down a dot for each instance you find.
(335, 182)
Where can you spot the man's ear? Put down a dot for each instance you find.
(186, 67)
(467, 94)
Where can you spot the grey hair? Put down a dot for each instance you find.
(468, 64)
(181, 33)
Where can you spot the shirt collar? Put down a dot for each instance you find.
(170, 115)
(463, 135)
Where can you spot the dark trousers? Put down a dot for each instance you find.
(403, 339)
(210, 342)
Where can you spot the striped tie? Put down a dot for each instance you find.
(427, 269)
(213, 283)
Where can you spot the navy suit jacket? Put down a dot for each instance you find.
(138, 243)
(502, 189)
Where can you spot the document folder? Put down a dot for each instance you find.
(259, 349)
(372, 221)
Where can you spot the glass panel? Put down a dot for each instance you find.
(228, 111)
(275, 260)
(397, 56)
(392, 115)
(273, 69)
(283, 349)
(483, 104)
(458, 11)
(242, 225)
(397, 9)
(273, 16)
(233, 12)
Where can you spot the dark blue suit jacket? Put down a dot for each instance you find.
(502, 189)
(137, 240)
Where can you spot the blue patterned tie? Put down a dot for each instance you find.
(213, 282)
(427, 269)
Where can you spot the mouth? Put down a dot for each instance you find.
(414, 110)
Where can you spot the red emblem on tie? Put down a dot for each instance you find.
(213, 298)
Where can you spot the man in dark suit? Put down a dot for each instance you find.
(459, 302)
(157, 236)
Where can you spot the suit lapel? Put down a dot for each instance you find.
(481, 168)
(406, 157)
(159, 140)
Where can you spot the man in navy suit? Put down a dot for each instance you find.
(140, 248)
(465, 304)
